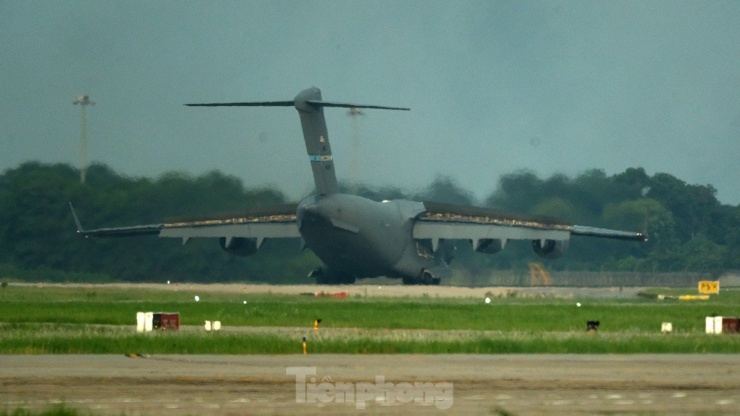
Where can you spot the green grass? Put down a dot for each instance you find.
(59, 410)
(73, 339)
(101, 320)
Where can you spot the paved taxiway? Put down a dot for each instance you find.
(339, 384)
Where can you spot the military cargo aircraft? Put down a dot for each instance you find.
(359, 238)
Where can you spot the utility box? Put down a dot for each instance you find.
(148, 321)
(166, 320)
(730, 325)
(713, 325)
(140, 321)
(722, 325)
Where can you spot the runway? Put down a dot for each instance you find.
(380, 384)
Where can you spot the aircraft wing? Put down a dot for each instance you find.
(259, 224)
(453, 222)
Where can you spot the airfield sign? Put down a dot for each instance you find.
(709, 287)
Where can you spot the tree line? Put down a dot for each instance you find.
(689, 229)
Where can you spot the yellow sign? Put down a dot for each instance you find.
(707, 286)
(693, 297)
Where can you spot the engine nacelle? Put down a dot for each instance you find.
(241, 247)
(550, 249)
(489, 246)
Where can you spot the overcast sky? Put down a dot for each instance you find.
(493, 86)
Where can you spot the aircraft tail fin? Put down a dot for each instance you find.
(310, 108)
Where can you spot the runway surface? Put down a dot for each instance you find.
(378, 384)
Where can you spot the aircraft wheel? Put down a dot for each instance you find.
(411, 281)
(426, 278)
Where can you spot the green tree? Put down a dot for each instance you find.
(518, 191)
(555, 207)
(703, 255)
(445, 189)
(691, 205)
(689, 229)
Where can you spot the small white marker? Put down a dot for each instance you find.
(578, 304)
(197, 298)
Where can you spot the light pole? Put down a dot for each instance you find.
(83, 101)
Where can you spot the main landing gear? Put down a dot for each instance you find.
(424, 278)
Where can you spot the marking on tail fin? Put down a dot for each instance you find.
(320, 158)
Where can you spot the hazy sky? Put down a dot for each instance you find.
(494, 86)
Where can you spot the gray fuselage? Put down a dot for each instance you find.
(364, 238)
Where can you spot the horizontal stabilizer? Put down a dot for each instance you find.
(316, 103)
(346, 105)
(246, 104)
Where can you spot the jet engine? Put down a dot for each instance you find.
(550, 249)
(241, 247)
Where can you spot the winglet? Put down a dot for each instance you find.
(77, 219)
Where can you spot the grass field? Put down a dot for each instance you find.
(59, 410)
(100, 319)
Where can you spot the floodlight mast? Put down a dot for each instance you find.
(83, 101)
